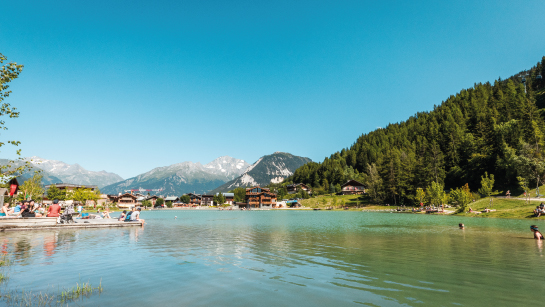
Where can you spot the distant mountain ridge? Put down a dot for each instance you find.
(180, 178)
(268, 169)
(74, 173)
(47, 178)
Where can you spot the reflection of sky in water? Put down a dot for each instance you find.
(288, 258)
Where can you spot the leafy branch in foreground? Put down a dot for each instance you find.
(9, 72)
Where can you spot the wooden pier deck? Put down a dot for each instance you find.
(43, 223)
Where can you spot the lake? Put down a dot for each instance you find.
(279, 258)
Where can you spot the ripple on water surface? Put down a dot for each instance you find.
(287, 258)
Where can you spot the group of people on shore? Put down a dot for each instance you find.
(130, 215)
(30, 208)
(539, 210)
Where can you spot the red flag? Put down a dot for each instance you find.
(12, 189)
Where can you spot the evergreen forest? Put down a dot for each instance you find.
(494, 128)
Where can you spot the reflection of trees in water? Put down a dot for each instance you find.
(65, 239)
(22, 249)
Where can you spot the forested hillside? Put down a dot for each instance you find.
(495, 128)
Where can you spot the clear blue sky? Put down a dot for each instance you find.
(126, 86)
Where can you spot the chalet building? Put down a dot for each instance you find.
(103, 200)
(153, 199)
(195, 199)
(292, 188)
(171, 199)
(352, 187)
(207, 200)
(112, 198)
(229, 198)
(126, 200)
(258, 197)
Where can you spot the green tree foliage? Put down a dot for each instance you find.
(374, 182)
(146, 203)
(168, 203)
(219, 199)
(523, 183)
(436, 193)
(82, 195)
(159, 202)
(487, 185)
(32, 188)
(9, 72)
(185, 199)
(55, 193)
(331, 188)
(240, 194)
(420, 195)
(461, 197)
(530, 164)
(495, 128)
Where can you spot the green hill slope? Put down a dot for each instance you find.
(481, 129)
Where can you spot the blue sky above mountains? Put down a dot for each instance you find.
(127, 86)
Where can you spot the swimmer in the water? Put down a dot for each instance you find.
(461, 225)
(175, 217)
(537, 234)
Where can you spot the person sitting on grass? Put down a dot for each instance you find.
(537, 234)
(537, 211)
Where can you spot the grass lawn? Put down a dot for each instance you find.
(353, 202)
(506, 208)
(519, 193)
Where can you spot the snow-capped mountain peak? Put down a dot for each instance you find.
(74, 173)
(271, 168)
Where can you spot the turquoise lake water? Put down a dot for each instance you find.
(287, 258)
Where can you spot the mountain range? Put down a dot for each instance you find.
(223, 174)
(46, 179)
(268, 169)
(73, 173)
(180, 178)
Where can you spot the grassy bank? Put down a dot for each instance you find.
(515, 208)
(339, 202)
(505, 208)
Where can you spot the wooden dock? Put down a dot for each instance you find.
(43, 223)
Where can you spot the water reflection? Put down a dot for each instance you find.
(322, 259)
(50, 244)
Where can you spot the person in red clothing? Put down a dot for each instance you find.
(54, 210)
